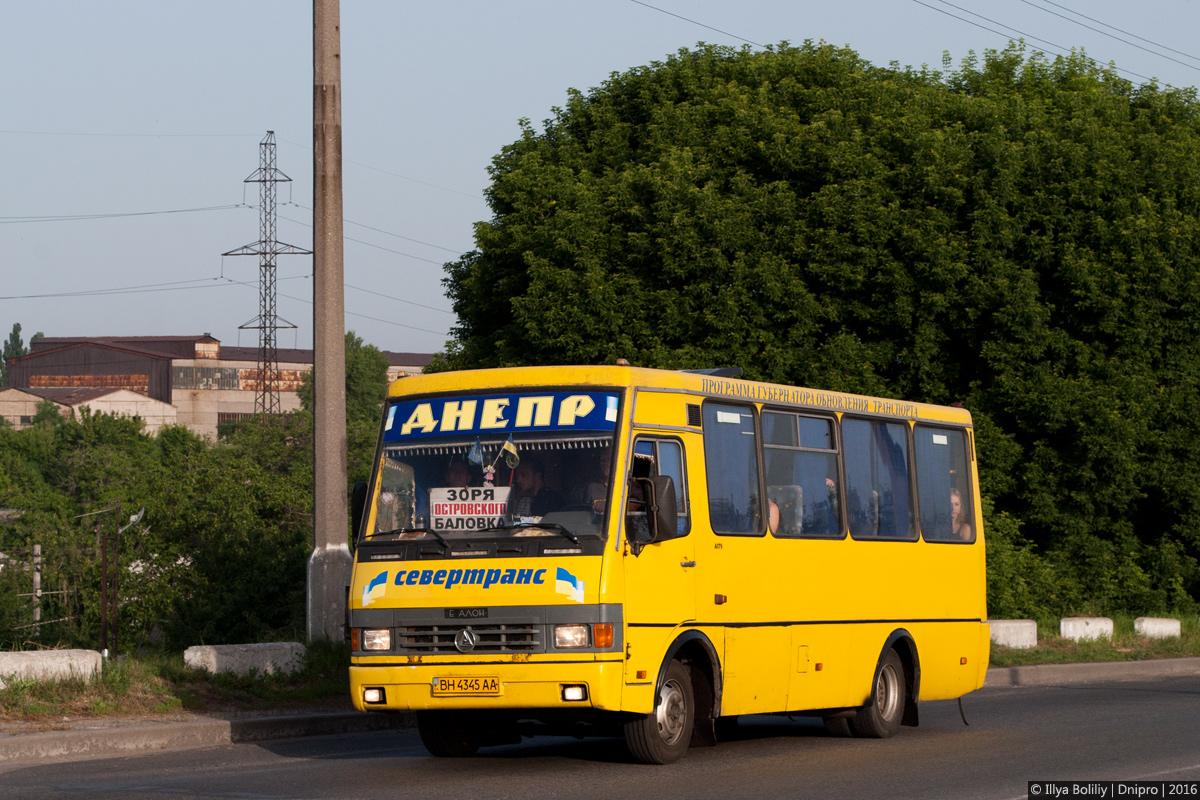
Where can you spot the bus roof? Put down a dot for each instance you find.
(733, 389)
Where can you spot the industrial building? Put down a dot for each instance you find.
(19, 406)
(205, 383)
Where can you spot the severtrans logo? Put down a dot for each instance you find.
(564, 584)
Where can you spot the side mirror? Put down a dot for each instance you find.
(659, 517)
(358, 504)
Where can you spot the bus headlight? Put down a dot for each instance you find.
(570, 636)
(377, 639)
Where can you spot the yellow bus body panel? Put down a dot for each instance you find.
(803, 623)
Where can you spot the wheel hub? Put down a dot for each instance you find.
(887, 693)
(672, 713)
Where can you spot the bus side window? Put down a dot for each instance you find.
(943, 485)
(800, 458)
(731, 460)
(668, 460)
(878, 489)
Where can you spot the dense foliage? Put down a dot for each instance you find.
(220, 554)
(1018, 235)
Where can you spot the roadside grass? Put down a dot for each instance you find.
(159, 684)
(1125, 645)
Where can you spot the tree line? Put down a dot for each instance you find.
(1018, 235)
(220, 554)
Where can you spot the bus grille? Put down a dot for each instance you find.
(513, 638)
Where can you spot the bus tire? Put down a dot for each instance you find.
(880, 717)
(447, 734)
(663, 735)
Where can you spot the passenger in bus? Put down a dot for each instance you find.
(457, 474)
(533, 498)
(598, 488)
(958, 517)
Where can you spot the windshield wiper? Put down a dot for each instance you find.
(554, 526)
(431, 531)
(548, 526)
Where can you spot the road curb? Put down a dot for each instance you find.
(1095, 672)
(71, 745)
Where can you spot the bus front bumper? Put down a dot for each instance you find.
(487, 685)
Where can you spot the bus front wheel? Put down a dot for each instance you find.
(880, 717)
(663, 735)
(448, 734)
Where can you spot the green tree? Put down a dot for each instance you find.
(14, 347)
(366, 389)
(1019, 235)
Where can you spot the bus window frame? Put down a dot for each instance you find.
(651, 436)
(912, 481)
(758, 455)
(620, 430)
(969, 459)
(836, 429)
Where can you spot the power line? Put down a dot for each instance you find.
(74, 217)
(393, 174)
(145, 288)
(694, 22)
(369, 244)
(397, 299)
(352, 313)
(207, 283)
(1111, 36)
(388, 233)
(1121, 30)
(134, 135)
(1062, 50)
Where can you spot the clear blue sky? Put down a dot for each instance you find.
(120, 107)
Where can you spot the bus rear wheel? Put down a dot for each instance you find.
(448, 734)
(663, 735)
(880, 717)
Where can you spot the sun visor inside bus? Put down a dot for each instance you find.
(642, 467)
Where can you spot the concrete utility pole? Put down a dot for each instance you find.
(329, 565)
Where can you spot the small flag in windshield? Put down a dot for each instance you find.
(475, 454)
(510, 453)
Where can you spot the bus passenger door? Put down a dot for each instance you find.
(660, 589)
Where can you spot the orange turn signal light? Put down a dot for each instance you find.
(354, 639)
(641, 674)
(820, 666)
(602, 635)
(962, 660)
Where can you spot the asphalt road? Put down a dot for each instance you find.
(1117, 731)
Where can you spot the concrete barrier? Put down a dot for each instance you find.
(1085, 628)
(1156, 628)
(240, 659)
(48, 665)
(1017, 633)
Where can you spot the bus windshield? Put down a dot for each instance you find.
(496, 466)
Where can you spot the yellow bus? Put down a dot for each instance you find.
(610, 550)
